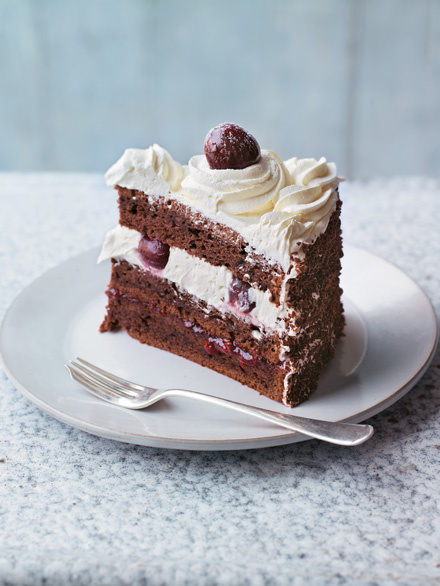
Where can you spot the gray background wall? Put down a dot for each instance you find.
(355, 80)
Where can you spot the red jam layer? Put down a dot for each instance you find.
(212, 346)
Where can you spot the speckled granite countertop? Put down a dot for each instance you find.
(77, 509)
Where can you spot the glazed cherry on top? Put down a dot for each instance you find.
(229, 146)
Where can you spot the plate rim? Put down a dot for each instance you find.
(156, 441)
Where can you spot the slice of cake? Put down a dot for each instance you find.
(232, 261)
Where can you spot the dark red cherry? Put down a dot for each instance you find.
(229, 347)
(210, 347)
(239, 297)
(247, 359)
(153, 253)
(229, 146)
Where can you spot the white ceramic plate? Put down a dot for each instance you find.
(390, 338)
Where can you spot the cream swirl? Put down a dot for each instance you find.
(303, 209)
(310, 172)
(138, 167)
(252, 191)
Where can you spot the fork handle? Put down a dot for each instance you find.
(344, 434)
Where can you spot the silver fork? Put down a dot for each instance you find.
(124, 393)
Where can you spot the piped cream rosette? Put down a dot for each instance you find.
(238, 192)
(140, 167)
(304, 208)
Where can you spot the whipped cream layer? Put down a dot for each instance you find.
(199, 278)
(276, 206)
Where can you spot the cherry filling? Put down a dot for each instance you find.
(153, 253)
(213, 346)
(239, 296)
